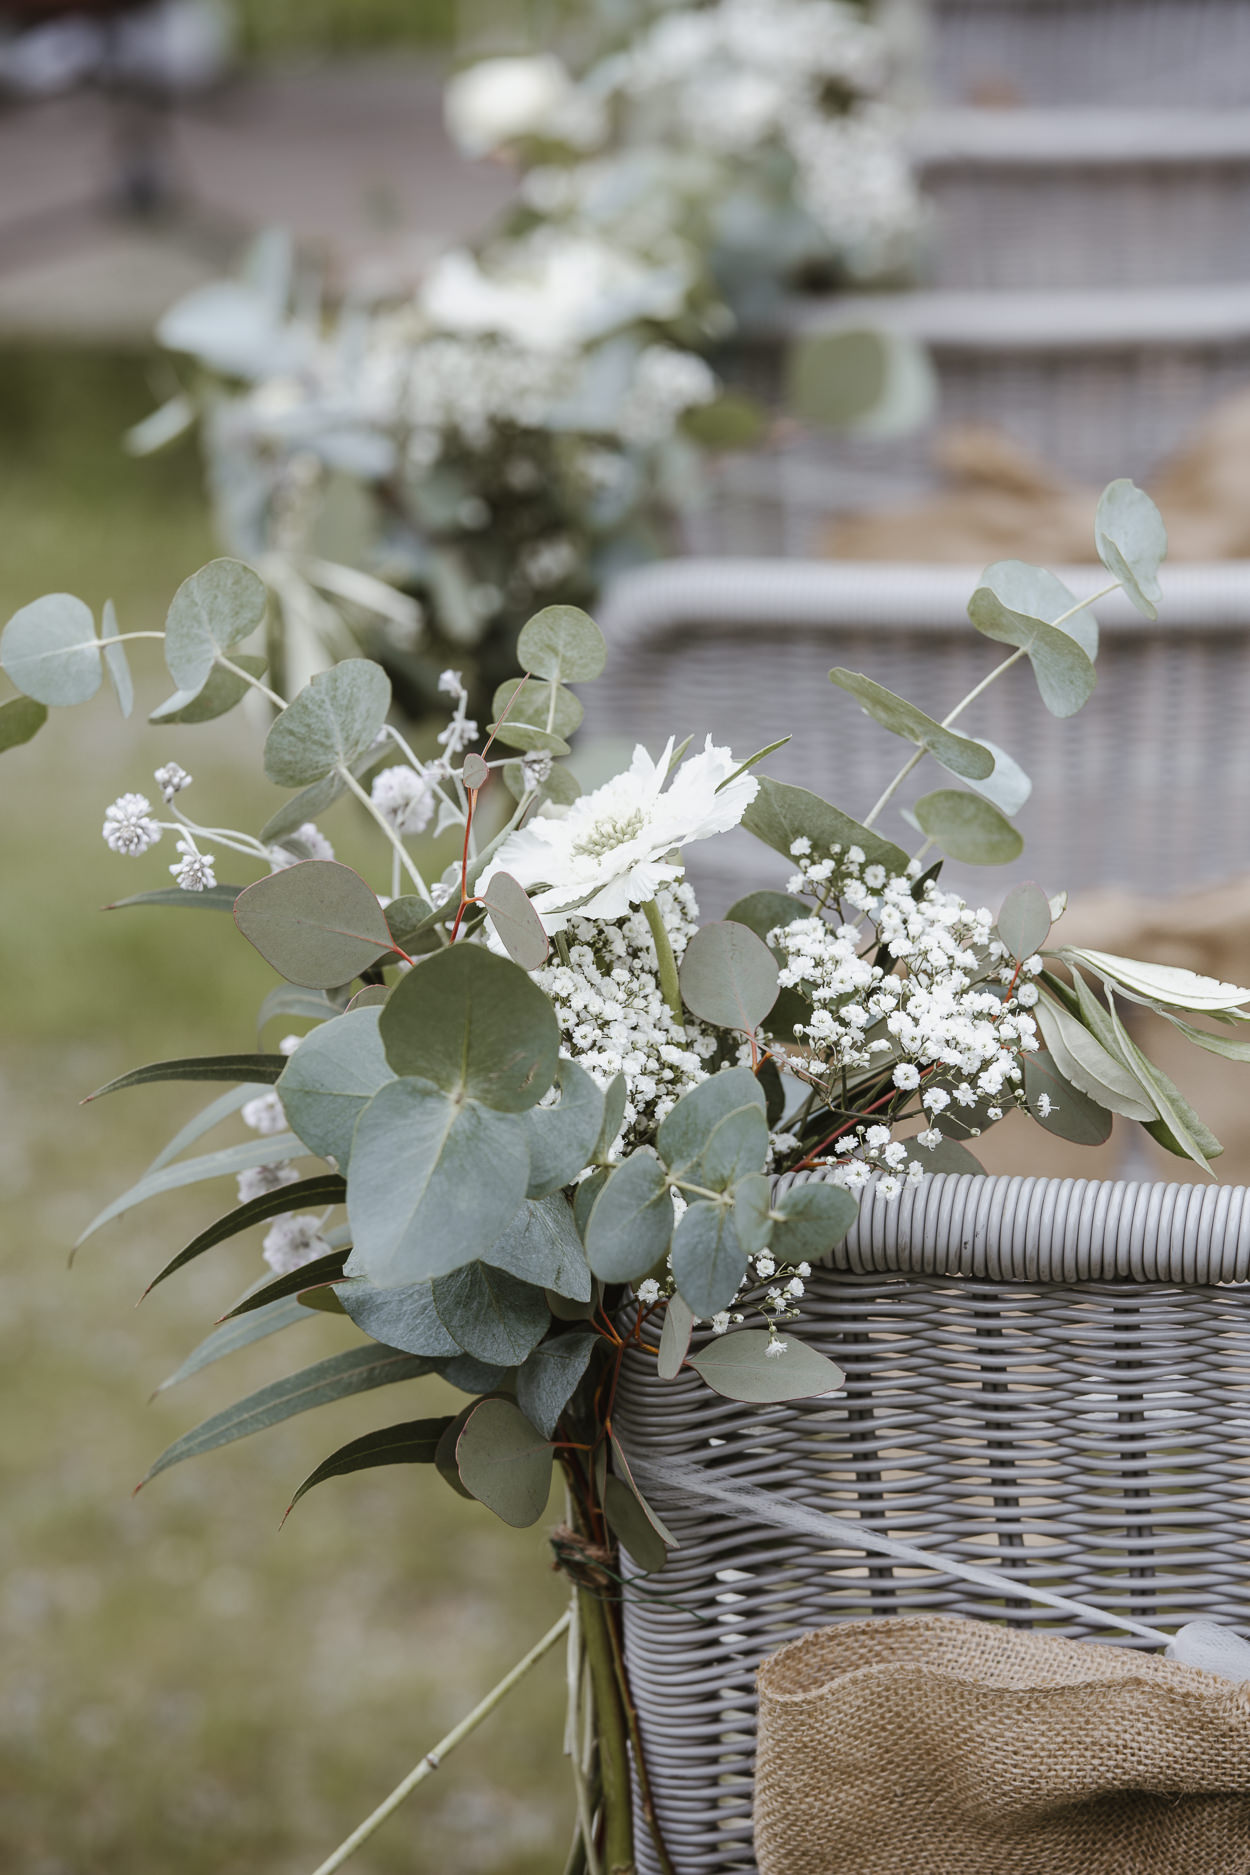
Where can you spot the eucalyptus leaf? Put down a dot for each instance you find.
(542, 1246)
(563, 644)
(326, 1188)
(357, 1370)
(333, 721)
(274, 1150)
(753, 1220)
(835, 379)
(947, 1156)
(632, 1527)
(116, 662)
(290, 1000)
(491, 1314)
(1064, 670)
(316, 922)
(410, 922)
(1131, 541)
(615, 1095)
(1083, 1061)
(1069, 1114)
(708, 1259)
(474, 1024)
(504, 1462)
(257, 1068)
(739, 1367)
(220, 692)
(968, 828)
(563, 1138)
(1178, 1128)
(303, 807)
(809, 1219)
(435, 1182)
(203, 1122)
(780, 814)
(400, 1318)
(20, 719)
(550, 1376)
(1160, 983)
(539, 716)
(318, 1272)
(330, 1079)
(728, 977)
(49, 649)
(584, 1196)
(470, 1375)
(1008, 787)
(623, 1471)
(211, 613)
(674, 1337)
(631, 1220)
(962, 756)
(414, 1442)
(1225, 1045)
(743, 768)
(213, 898)
(687, 1128)
(560, 786)
(1024, 921)
(763, 912)
(239, 1333)
(514, 921)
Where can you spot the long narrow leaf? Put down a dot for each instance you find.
(1179, 1129)
(275, 1150)
(413, 1443)
(289, 999)
(215, 898)
(240, 1333)
(311, 1275)
(326, 1188)
(357, 1370)
(264, 1068)
(205, 1120)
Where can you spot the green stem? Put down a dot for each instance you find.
(667, 962)
(279, 703)
(433, 1759)
(618, 1829)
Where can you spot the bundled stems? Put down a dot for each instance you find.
(618, 1834)
(667, 962)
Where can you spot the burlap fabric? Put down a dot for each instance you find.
(934, 1745)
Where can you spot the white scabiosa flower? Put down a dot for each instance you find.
(293, 1241)
(614, 848)
(403, 798)
(128, 825)
(171, 780)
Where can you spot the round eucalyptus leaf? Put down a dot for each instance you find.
(20, 719)
(631, 1221)
(334, 720)
(474, 772)
(50, 651)
(547, 1380)
(708, 1259)
(1008, 787)
(1132, 541)
(116, 662)
(301, 807)
(1041, 594)
(560, 786)
(562, 1138)
(780, 813)
(515, 922)
(220, 693)
(962, 756)
(316, 922)
(739, 1367)
(968, 828)
(1060, 1108)
(434, 1182)
(541, 1246)
(399, 1318)
(813, 1217)
(1024, 921)
(542, 717)
(490, 1313)
(729, 422)
(686, 1129)
(753, 1221)
(729, 977)
(475, 1025)
(563, 644)
(763, 912)
(331, 1078)
(211, 613)
(1064, 670)
(835, 379)
(504, 1462)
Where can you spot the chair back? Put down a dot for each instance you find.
(1046, 1377)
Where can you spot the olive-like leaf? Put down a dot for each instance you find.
(729, 977)
(258, 1068)
(674, 1337)
(1161, 983)
(968, 828)
(211, 613)
(317, 923)
(563, 644)
(1081, 1058)
(326, 1188)
(239, 1333)
(1060, 1108)
(414, 1442)
(972, 760)
(634, 1530)
(474, 1024)
(319, 1273)
(739, 1367)
(274, 1149)
(504, 1462)
(49, 649)
(333, 721)
(1131, 541)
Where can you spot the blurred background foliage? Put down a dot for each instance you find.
(184, 1687)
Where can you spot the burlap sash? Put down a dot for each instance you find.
(933, 1745)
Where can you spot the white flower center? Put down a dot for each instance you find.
(607, 834)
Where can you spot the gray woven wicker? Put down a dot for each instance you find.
(1071, 198)
(1143, 52)
(1050, 1378)
(1097, 383)
(1147, 787)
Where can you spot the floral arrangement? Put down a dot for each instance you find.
(537, 1119)
(416, 475)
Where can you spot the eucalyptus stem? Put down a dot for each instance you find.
(279, 703)
(667, 962)
(618, 1830)
(405, 858)
(433, 1759)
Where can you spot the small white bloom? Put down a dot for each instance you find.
(906, 1076)
(805, 1269)
(259, 1180)
(1045, 1106)
(776, 1348)
(265, 1114)
(720, 1322)
(194, 871)
(930, 1138)
(451, 683)
(874, 876)
(171, 779)
(293, 1241)
(993, 1113)
(459, 733)
(800, 847)
(796, 1286)
(310, 838)
(403, 797)
(648, 1291)
(876, 1137)
(128, 825)
(1027, 995)
(888, 1187)
(764, 1265)
(935, 1099)
(1032, 966)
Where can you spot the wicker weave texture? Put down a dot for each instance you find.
(1047, 1377)
(1129, 792)
(1161, 52)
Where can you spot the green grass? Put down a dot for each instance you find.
(186, 1688)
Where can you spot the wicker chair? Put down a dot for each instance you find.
(1127, 793)
(1049, 1378)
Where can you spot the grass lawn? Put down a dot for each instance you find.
(185, 1688)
